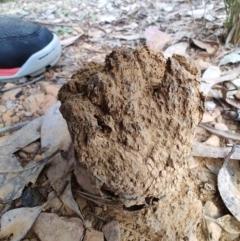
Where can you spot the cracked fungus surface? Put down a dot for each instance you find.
(132, 121)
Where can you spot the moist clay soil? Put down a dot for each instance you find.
(132, 121)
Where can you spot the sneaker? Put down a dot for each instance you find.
(26, 49)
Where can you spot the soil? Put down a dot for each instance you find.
(132, 121)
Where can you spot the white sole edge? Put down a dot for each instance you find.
(38, 62)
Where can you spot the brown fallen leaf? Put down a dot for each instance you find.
(211, 47)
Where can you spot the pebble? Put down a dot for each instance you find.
(93, 235)
(31, 148)
(7, 115)
(28, 113)
(221, 126)
(111, 231)
(237, 95)
(209, 105)
(23, 154)
(37, 158)
(213, 140)
(3, 108)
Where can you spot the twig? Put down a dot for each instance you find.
(227, 158)
(103, 219)
(98, 202)
(13, 127)
(22, 85)
(226, 134)
(91, 195)
(204, 150)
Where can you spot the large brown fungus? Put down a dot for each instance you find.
(132, 121)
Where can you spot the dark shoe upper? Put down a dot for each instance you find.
(19, 40)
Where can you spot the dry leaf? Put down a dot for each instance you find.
(229, 224)
(13, 175)
(54, 131)
(156, 39)
(69, 201)
(227, 189)
(230, 58)
(210, 46)
(18, 222)
(179, 48)
(210, 72)
(69, 41)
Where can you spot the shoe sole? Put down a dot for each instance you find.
(36, 64)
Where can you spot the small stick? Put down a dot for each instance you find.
(226, 134)
(98, 202)
(103, 219)
(22, 85)
(227, 158)
(13, 127)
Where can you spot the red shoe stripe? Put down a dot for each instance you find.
(8, 72)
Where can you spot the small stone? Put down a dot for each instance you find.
(111, 231)
(55, 203)
(23, 154)
(93, 235)
(38, 158)
(213, 140)
(207, 118)
(237, 95)
(31, 148)
(2, 109)
(11, 93)
(51, 89)
(28, 114)
(209, 105)
(6, 116)
(221, 126)
(47, 75)
(22, 97)
(49, 226)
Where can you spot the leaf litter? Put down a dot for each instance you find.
(89, 31)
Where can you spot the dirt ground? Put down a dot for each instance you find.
(133, 115)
